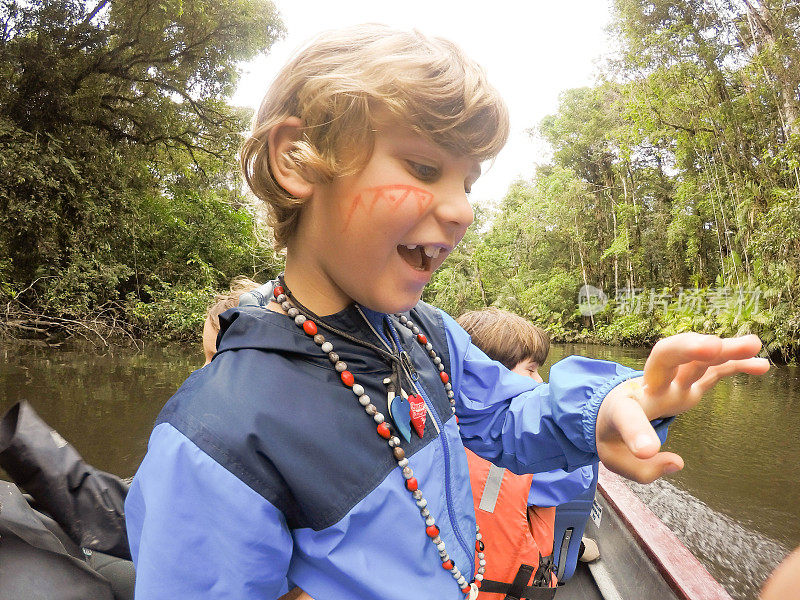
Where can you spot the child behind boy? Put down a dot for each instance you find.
(221, 303)
(503, 498)
(325, 450)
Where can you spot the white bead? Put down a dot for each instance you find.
(403, 463)
(326, 347)
(430, 521)
(440, 546)
(378, 418)
(363, 400)
(482, 562)
(358, 389)
(478, 577)
(422, 503)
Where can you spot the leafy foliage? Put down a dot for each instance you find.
(678, 174)
(118, 149)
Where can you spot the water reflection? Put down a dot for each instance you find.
(735, 504)
(103, 402)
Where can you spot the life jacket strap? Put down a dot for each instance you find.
(519, 588)
(544, 574)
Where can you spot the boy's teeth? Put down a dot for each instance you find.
(432, 251)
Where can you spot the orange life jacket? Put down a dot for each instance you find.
(518, 542)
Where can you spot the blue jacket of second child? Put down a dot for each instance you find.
(263, 468)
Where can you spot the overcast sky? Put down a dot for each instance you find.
(531, 49)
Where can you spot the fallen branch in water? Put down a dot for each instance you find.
(20, 321)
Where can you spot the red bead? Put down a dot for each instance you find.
(422, 339)
(411, 484)
(277, 291)
(456, 419)
(383, 431)
(348, 379)
(479, 545)
(431, 530)
(465, 590)
(445, 377)
(478, 584)
(310, 327)
(447, 565)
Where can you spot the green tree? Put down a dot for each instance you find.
(118, 147)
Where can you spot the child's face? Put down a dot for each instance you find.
(377, 237)
(528, 368)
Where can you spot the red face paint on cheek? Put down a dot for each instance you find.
(393, 196)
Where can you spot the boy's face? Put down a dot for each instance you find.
(377, 237)
(528, 368)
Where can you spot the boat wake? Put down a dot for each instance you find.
(739, 558)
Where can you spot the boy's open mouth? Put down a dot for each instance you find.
(419, 257)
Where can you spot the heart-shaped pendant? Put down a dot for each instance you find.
(418, 413)
(400, 410)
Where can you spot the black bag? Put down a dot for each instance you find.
(82, 551)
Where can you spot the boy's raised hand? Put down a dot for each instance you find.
(679, 370)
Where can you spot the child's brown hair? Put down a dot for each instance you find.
(506, 337)
(337, 83)
(222, 302)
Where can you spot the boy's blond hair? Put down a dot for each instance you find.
(222, 302)
(506, 337)
(338, 82)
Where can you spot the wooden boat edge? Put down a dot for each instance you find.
(684, 573)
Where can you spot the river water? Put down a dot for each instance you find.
(736, 505)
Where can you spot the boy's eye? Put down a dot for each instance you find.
(422, 171)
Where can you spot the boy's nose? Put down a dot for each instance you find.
(454, 210)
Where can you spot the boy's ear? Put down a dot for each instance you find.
(281, 141)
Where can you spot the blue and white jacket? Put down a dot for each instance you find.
(264, 469)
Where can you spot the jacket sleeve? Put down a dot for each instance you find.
(197, 531)
(552, 488)
(525, 426)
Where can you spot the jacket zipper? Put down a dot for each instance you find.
(445, 447)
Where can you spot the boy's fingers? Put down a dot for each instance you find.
(668, 354)
(625, 420)
(740, 348)
(752, 366)
(643, 471)
(689, 373)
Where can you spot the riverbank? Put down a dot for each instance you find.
(643, 330)
(176, 314)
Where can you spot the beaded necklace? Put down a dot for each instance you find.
(308, 322)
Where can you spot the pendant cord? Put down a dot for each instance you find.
(393, 359)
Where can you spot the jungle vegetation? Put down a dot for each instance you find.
(674, 187)
(120, 201)
(674, 184)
